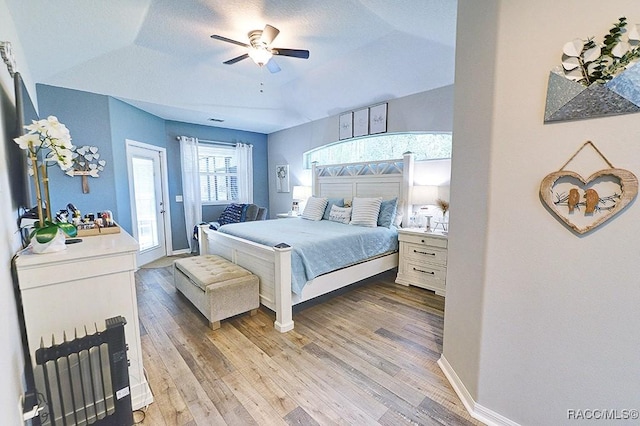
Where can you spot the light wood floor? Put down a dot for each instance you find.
(365, 357)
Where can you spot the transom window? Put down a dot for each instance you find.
(218, 174)
(425, 146)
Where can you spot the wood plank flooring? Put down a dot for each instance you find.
(364, 357)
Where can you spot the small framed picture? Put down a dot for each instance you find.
(361, 122)
(378, 119)
(346, 125)
(282, 178)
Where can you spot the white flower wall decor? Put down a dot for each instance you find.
(86, 162)
(596, 79)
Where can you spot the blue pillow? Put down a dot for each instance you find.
(387, 213)
(339, 202)
(233, 213)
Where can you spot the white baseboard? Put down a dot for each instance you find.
(181, 251)
(477, 411)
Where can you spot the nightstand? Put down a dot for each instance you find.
(423, 259)
(287, 215)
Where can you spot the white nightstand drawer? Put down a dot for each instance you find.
(422, 253)
(424, 274)
(423, 239)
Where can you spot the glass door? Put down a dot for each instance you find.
(148, 205)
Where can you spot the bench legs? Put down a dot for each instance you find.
(216, 324)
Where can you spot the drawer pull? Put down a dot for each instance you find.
(423, 252)
(424, 272)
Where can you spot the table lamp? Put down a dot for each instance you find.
(300, 195)
(422, 195)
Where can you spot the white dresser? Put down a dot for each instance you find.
(89, 282)
(423, 259)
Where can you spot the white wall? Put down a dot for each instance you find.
(538, 320)
(426, 111)
(11, 362)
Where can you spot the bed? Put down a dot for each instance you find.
(272, 262)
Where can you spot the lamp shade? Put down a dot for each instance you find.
(424, 194)
(301, 193)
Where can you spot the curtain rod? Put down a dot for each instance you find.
(217, 142)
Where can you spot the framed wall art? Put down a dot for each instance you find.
(361, 122)
(346, 125)
(282, 178)
(378, 119)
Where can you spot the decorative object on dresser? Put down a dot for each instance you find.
(605, 194)
(423, 260)
(47, 141)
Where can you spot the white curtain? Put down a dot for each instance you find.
(244, 157)
(190, 186)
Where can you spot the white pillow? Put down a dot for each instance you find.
(365, 211)
(340, 214)
(314, 210)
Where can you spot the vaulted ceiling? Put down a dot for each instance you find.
(158, 54)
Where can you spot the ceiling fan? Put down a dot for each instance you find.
(260, 50)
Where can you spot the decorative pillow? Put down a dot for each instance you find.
(330, 203)
(365, 211)
(398, 219)
(314, 210)
(387, 214)
(340, 214)
(233, 213)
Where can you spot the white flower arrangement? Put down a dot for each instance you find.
(47, 142)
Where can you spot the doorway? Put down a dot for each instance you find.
(149, 200)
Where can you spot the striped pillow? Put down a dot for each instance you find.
(314, 210)
(365, 211)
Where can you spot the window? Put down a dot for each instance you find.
(218, 174)
(425, 146)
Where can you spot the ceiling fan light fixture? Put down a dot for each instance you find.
(260, 55)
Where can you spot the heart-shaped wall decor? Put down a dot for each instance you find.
(585, 204)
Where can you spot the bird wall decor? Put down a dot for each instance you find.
(585, 204)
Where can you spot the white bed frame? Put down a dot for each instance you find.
(386, 179)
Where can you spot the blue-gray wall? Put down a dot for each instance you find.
(86, 115)
(128, 122)
(107, 123)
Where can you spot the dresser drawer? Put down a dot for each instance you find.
(423, 239)
(421, 274)
(421, 253)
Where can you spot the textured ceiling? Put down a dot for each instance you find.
(158, 54)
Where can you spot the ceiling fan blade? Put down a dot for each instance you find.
(228, 40)
(295, 53)
(269, 34)
(236, 59)
(273, 66)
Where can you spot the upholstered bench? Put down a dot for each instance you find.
(218, 288)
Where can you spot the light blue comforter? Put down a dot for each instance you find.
(317, 247)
